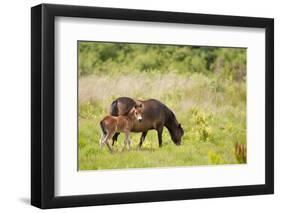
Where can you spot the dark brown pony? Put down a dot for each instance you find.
(122, 123)
(155, 115)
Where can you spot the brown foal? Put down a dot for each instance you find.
(122, 123)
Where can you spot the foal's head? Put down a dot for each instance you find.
(136, 112)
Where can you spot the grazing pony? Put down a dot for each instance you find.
(155, 115)
(122, 123)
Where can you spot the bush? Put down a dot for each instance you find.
(101, 58)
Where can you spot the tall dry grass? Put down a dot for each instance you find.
(195, 90)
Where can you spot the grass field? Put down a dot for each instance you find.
(211, 109)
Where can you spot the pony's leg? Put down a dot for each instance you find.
(143, 135)
(159, 133)
(115, 137)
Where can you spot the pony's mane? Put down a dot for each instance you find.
(132, 106)
(171, 122)
(171, 116)
(129, 109)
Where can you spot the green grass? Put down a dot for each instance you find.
(214, 120)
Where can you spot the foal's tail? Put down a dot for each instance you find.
(114, 108)
(102, 128)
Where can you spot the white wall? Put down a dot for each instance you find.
(15, 105)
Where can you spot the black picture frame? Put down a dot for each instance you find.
(43, 102)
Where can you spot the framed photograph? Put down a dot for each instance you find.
(139, 106)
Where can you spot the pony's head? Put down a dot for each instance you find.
(177, 134)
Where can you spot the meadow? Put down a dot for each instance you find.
(204, 86)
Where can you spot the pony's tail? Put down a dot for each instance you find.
(102, 128)
(114, 108)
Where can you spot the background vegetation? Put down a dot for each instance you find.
(204, 86)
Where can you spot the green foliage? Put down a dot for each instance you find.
(201, 131)
(214, 158)
(205, 87)
(121, 58)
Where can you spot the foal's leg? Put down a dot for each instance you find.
(125, 144)
(143, 135)
(109, 147)
(105, 141)
(127, 140)
(101, 139)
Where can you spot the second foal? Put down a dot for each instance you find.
(122, 123)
